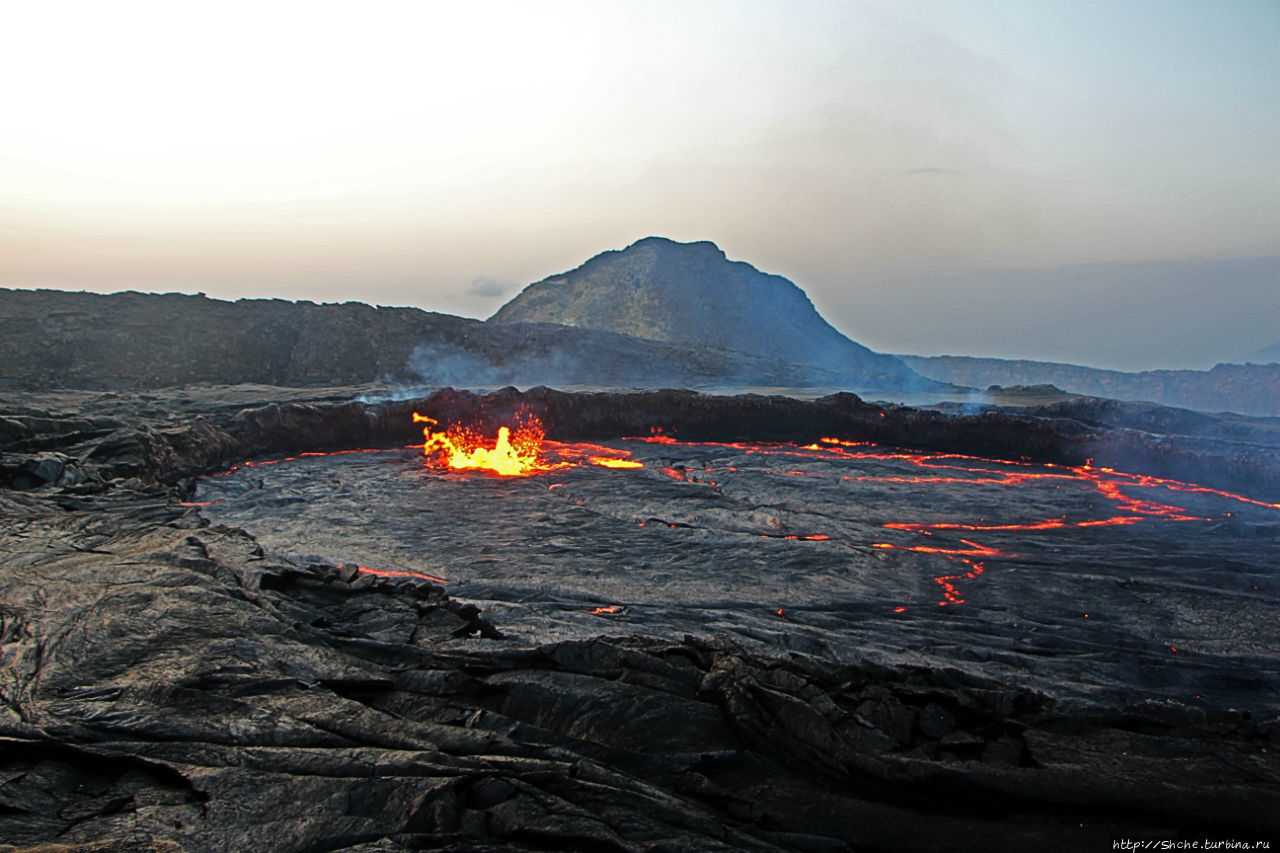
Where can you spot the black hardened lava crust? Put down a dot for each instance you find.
(169, 684)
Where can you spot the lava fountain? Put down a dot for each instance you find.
(515, 453)
(518, 452)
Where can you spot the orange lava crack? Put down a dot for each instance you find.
(398, 573)
(519, 452)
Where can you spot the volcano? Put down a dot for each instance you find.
(271, 619)
(265, 618)
(690, 294)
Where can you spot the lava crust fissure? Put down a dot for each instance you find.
(170, 684)
(151, 445)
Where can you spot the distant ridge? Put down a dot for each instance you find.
(1249, 389)
(1266, 355)
(59, 339)
(691, 294)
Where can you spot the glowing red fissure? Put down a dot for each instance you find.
(462, 449)
(579, 452)
(974, 549)
(1108, 482)
(308, 453)
(969, 471)
(398, 573)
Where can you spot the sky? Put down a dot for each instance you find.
(1094, 182)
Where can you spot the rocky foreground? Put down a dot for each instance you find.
(169, 685)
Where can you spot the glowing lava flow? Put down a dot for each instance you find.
(974, 549)
(614, 462)
(963, 470)
(951, 595)
(591, 454)
(398, 573)
(1090, 497)
(1106, 481)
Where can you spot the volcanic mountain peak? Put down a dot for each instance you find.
(691, 293)
(669, 245)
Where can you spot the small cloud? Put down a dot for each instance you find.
(484, 286)
(929, 170)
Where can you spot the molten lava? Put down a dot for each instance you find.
(962, 470)
(398, 573)
(1066, 499)
(613, 462)
(515, 453)
(520, 452)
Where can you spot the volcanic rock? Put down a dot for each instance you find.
(51, 339)
(169, 683)
(691, 294)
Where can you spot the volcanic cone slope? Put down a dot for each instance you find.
(690, 293)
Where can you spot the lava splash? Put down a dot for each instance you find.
(518, 452)
(515, 453)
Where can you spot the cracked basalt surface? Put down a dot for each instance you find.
(171, 682)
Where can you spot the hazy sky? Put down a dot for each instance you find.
(933, 174)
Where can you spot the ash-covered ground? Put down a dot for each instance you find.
(1088, 584)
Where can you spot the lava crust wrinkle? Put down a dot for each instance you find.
(170, 681)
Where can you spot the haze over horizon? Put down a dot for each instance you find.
(1096, 183)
